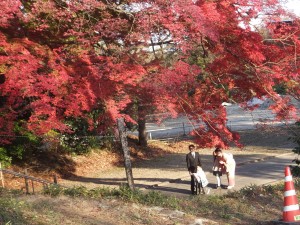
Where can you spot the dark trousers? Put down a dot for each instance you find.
(192, 184)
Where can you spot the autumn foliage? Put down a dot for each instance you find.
(99, 60)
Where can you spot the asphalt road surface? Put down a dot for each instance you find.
(238, 119)
(262, 172)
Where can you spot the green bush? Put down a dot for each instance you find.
(4, 158)
(53, 190)
(80, 191)
(23, 145)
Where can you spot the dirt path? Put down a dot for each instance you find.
(172, 167)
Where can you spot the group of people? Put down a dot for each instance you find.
(223, 164)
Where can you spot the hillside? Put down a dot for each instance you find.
(102, 205)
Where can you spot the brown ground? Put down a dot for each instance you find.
(164, 161)
(160, 162)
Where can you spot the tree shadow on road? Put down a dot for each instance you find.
(113, 181)
(159, 184)
(167, 186)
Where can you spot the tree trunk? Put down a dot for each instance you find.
(142, 126)
(127, 162)
(142, 132)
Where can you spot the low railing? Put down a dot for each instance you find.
(28, 178)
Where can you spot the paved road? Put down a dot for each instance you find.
(262, 172)
(238, 119)
(172, 177)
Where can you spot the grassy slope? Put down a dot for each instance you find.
(251, 205)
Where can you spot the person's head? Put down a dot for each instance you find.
(192, 148)
(218, 152)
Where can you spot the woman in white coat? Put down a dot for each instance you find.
(228, 161)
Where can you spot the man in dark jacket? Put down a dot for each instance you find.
(192, 161)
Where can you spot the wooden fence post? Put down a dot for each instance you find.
(26, 183)
(127, 162)
(1, 176)
(32, 187)
(54, 179)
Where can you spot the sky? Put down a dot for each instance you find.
(294, 6)
(290, 5)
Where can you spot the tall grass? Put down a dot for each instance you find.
(124, 193)
(251, 204)
(10, 208)
(233, 204)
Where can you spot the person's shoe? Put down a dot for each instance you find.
(230, 187)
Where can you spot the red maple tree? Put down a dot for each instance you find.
(65, 59)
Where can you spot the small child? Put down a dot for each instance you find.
(201, 178)
(218, 170)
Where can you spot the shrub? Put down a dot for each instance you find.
(53, 190)
(4, 158)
